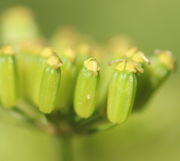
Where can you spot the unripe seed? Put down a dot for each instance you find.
(41, 64)
(122, 89)
(68, 79)
(8, 74)
(50, 83)
(29, 62)
(104, 78)
(85, 91)
(162, 63)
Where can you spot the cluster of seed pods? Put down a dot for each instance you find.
(71, 77)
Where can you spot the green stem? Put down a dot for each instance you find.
(66, 153)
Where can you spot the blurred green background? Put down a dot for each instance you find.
(150, 135)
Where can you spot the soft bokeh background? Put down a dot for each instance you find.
(150, 135)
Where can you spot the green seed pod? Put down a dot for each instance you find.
(85, 91)
(28, 61)
(50, 83)
(162, 63)
(122, 90)
(18, 25)
(27, 65)
(68, 79)
(8, 74)
(105, 76)
(38, 73)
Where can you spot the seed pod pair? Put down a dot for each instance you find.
(162, 63)
(8, 80)
(105, 76)
(86, 87)
(122, 90)
(38, 73)
(26, 53)
(28, 63)
(50, 83)
(68, 80)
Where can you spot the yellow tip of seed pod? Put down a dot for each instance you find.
(47, 52)
(166, 58)
(129, 66)
(92, 65)
(137, 56)
(54, 61)
(7, 50)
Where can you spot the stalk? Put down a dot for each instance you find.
(66, 153)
